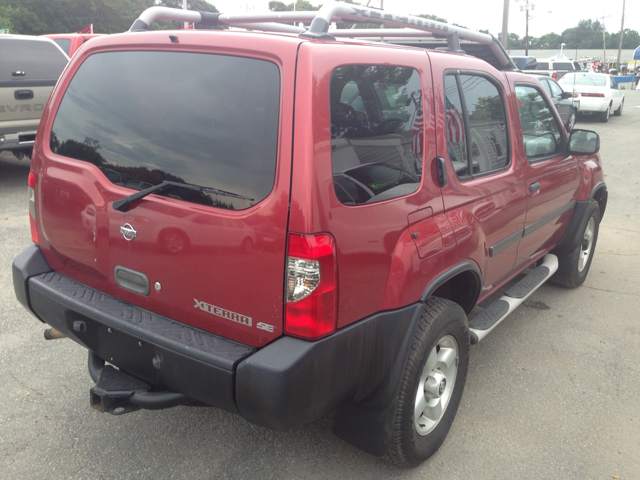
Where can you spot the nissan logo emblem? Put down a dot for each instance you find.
(128, 232)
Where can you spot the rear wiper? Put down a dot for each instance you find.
(123, 205)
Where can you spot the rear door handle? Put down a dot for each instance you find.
(534, 188)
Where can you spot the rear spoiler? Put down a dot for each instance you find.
(405, 26)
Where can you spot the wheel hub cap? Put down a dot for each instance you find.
(436, 384)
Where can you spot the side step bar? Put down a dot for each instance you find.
(481, 325)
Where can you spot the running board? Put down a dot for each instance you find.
(482, 324)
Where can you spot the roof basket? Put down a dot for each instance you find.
(405, 26)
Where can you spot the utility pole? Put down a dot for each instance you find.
(621, 35)
(505, 25)
(604, 42)
(526, 7)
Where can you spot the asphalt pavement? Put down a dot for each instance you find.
(552, 393)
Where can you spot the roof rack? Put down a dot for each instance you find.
(408, 26)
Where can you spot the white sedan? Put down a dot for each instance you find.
(599, 93)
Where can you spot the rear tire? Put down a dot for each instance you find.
(604, 116)
(574, 267)
(618, 112)
(432, 383)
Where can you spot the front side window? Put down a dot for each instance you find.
(377, 137)
(556, 91)
(143, 118)
(541, 132)
(476, 125)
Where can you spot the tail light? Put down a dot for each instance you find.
(32, 206)
(597, 95)
(311, 286)
(554, 75)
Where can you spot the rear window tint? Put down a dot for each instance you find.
(377, 137)
(148, 117)
(562, 66)
(38, 60)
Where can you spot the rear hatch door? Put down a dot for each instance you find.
(207, 249)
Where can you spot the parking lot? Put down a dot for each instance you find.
(553, 392)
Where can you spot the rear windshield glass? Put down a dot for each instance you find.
(562, 66)
(583, 79)
(22, 60)
(145, 118)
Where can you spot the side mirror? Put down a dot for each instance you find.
(584, 142)
(566, 95)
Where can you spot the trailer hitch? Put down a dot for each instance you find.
(117, 392)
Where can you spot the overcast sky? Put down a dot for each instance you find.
(487, 14)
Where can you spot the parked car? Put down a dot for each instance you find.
(395, 186)
(70, 42)
(525, 63)
(599, 93)
(566, 103)
(29, 68)
(556, 67)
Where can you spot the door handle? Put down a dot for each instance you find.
(23, 94)
(534, 188)
(441, 171)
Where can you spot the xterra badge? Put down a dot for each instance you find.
(221, 312)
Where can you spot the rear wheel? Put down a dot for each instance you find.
(574, 267)
(604, 116)
(618, 112)
(432, 383)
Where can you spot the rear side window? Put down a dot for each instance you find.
(30, 60)
(542, 66)
(64, 44)
(377, 137)
(476, 125)
(143, 118)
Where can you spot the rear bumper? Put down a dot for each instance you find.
(286, 384)
(18, 135)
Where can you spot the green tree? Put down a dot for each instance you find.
(588, 34)
(550, 40)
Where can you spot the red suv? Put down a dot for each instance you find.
(285, 223)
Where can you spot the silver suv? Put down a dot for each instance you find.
(29, 68)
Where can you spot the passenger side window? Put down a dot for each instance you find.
(476, 126)
(377, 132)
(541, 132)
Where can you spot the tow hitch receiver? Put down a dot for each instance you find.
(113, 391)
(117, 392)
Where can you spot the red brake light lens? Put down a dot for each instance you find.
(554, 75)
(598, 95)
(32, 206)
(311, 286)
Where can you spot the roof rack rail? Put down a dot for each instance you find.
(407, 25)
